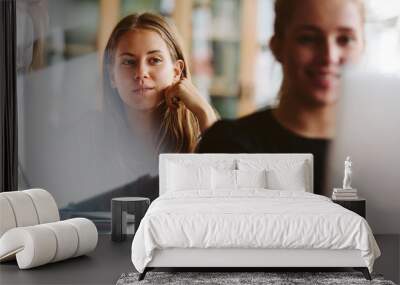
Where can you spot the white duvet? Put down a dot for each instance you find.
(252, 218)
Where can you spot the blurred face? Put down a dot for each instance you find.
(319, 40)
(143, 68)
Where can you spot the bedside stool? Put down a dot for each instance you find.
(127, 212)
(358, 206)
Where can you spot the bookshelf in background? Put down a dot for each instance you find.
(223, 51)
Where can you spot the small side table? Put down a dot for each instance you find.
(358, 206)
(127, 212)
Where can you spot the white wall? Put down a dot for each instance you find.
(368, 131)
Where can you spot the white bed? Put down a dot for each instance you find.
(268, 218)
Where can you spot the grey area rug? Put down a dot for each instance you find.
(273, 278)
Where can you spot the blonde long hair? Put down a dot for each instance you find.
(178, 128)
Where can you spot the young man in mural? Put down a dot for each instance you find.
(312, 41)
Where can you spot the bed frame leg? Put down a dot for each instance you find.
(364, 271)
(143, 274)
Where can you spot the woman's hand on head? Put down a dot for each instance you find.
(184, 92)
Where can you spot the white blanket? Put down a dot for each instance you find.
(250, 218)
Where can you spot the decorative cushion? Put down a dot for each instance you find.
(40, 244)
(287, 174)
(290, 179)
(251, 178)
(223, 179)
(230, 180)
(168, 175)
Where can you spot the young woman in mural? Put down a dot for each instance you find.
(150, 107)
(312, 41)
(147, 81)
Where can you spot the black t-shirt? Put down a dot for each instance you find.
(261, 133)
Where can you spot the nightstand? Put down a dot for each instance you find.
(358, 206)
(127, 212)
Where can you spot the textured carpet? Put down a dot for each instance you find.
(273, 278)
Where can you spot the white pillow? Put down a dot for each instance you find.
(251, 178)
(236, 179)
(181, 177)
(282, 174)
(224, 179)
(292, 179)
